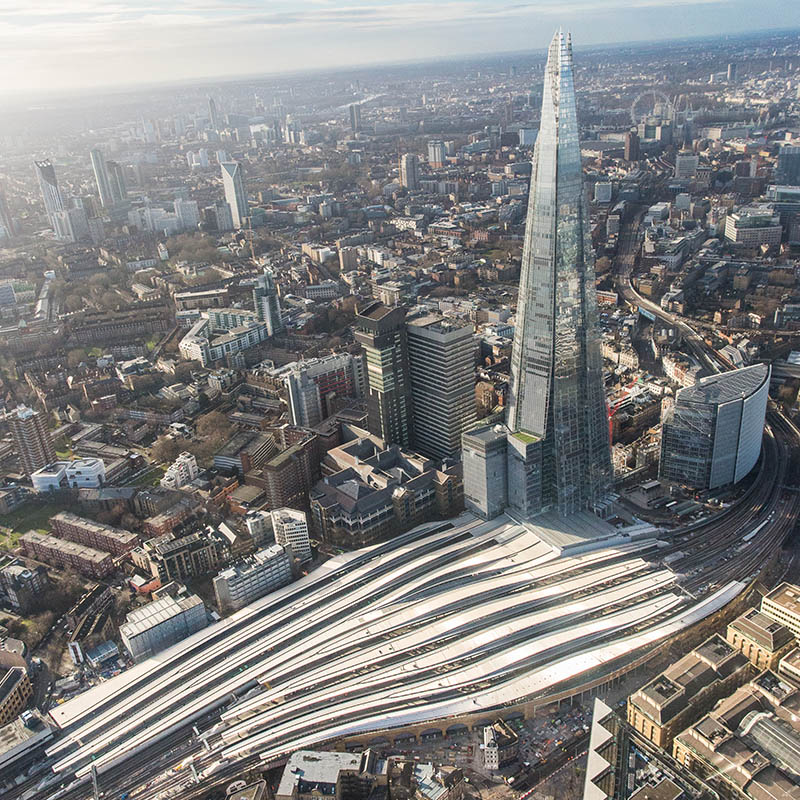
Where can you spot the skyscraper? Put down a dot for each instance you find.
(48, 183)
(32, 439)
(559, 456)
(265, 302)
(787, 172)
(213, 116)
(235, 194)
(355, 117)
(436, 153)
(116, 180)
(441, 357)
(409, 171)
(632, 146)
(101, 177)
(7, 227)
(381, 331)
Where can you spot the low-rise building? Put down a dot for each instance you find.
(80, 473)
(500, 745)
(61, 553)
(309, 775)
(253, 577)
(783, 605)
(686, 690)
(759, 637)
(160, 624)
(116, 541)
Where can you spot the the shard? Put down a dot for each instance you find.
(558, 451)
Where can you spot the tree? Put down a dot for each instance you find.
(74, 357)
(166, 450)
(214, 424)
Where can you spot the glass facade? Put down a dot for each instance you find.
(557, 398)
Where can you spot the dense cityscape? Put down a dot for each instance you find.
(412, 432)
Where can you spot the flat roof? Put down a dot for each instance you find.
(726, 386)
(787, 596)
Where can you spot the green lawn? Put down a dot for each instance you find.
(150, 478)
(31, 516)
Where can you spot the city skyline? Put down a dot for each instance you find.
(195, 40)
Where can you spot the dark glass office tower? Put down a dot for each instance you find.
(559, 455)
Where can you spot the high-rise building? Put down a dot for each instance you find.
(188, 214)
(441, 357)
(436, 153)
(559, 456)
(731, 72)
(248, 580)
(32, 439)
(213, 116)
(101, 177)
(355, 117)
(381, 331)
(7, 226)
(632, 151)
(51, 194)
(711, 436)
(290, 527)
(686, 164)
(484, 455)
(266, 304)
(235, 194)
(787, 172)
(116, 180)
(409, 171)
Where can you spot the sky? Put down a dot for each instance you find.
(55, 45)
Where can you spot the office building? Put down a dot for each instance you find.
(266, 303)
(759, 637)
(409, 171)
(188, 214)
(235, 194)
(339, 776)
(686, 164)
(252, 578)
(178, 559)
(484, 454)
(355, 117)
(101, 177)
(782, 604)
(753, 226)
(787, 172)
(290, 528)
(632, 149)
(48, 184)
(711, 436)
(686, 690)
(381, 331)
(731, 72)
(559, 455)
(441, 358)
(160, 624)
(436, 152)
(32, 439)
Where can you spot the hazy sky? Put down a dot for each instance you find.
(57, 44)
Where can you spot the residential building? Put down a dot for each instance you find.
(290, 528)
(409, 171)
(51, 194)
(381, 331)
(178, 559)
(181, 471)
(259, 526)
(77, 529)
(64, 554)
(441, 358)
(436, 153)
(22, 586)
(355, 117)
(711, 435)
(235, 193)
(15, 691)
(266, 303)
(160, 624)
(101, 177)
(253, 577)
(32, 439)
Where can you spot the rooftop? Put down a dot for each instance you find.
(725, 387)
